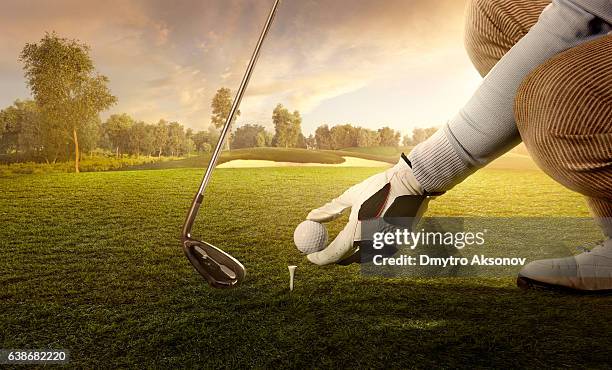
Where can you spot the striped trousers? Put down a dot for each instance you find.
(563, 108)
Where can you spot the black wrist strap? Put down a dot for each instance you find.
(406, 160)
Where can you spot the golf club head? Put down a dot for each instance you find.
(218, 268)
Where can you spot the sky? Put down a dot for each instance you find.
(372, 63)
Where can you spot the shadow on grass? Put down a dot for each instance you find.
(359, 323)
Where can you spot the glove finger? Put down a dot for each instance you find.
(329, 211)
(337, 248)
(349, 198)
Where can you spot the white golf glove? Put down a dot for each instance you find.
(392, 194)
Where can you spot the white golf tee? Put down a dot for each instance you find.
(291, 276)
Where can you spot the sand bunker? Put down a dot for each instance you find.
(348, 162)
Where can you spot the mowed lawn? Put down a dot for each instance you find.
(91, 263)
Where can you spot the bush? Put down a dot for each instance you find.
(88, 164)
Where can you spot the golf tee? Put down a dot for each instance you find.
(291, 276)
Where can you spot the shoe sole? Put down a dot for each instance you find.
(526, 283)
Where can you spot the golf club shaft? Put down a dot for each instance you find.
(226, 127)
(243, 85)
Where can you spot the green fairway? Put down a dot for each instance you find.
(267, 154)
(386, 151)
(91, 263)
(383, 154)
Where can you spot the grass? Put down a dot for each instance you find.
(99, 163)
(92, 263)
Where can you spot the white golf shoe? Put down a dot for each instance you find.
(590, 271)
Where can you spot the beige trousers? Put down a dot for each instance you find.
(563, 108)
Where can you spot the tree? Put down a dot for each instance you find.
(343, 136)
(407, 141)
(301, 142)
(176, 138)
(221, 106)
(249, 136)
(10, 128)
(199, 139)
(295, 131)
(281, 118)
(287, 127)
(147, 144)
(62, 78)
(260, 139)
(310, 141)
(137, 137)
(421, 134)
(90, 134)
(117, 129)
(269, 138)
(213, 135)
(28, 135)
(388, 137)
(19, 127)
(323, 137)
(189, 144)
(160, 136)
(367, 138)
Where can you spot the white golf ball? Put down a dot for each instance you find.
(310, 237)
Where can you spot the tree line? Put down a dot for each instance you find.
(63, 119)
(27, 135)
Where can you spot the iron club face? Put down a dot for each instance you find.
(218, 268)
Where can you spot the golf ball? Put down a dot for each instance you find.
(310, 237)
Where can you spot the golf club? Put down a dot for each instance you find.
(220, 269)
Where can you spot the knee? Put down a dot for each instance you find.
(482, 39)
(569, 96)
(492, 27)
(563, 111)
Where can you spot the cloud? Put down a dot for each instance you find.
(166, 59)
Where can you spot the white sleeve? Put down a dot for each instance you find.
(485, 128)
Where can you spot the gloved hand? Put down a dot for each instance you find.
(393, 194)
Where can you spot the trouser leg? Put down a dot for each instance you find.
(563, 111)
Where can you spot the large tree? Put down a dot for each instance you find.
(65, 86)
(221, 106)
(323, 137)
(287, 127)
